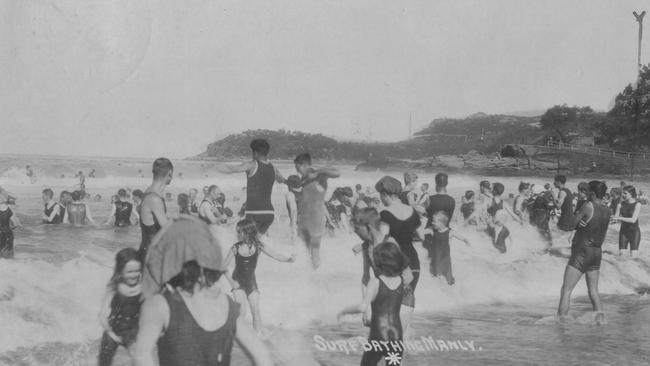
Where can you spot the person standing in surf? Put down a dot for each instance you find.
(207, 210)
(586, 254)
(8, 222)
(409, 195)
(78, 211)
(51, 211)
(260, 177)
(311, 217)
(153, 210)
(627, 213)
(400, 222)
(441, 201)
(122, 213)
(563, 199)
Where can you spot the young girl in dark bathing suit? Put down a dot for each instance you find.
(243, 281)
(121, 308)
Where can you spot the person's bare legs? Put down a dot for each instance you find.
(314, 251)
(254, 303)
(571, 278)
(594, 296)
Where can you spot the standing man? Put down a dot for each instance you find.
(311, 207)
(207, 210)
(563, 200)
(441, 201)
(153, 211)
(260, 177)
(51, 211)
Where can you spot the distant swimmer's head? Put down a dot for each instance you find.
(221, 198)
(440, 221)
(169, 196)
(559, 181)
(622, 184)
(183, 200)
(524, 187)
(547, 186)
(294, 183)
(48, 194)
(122, 193)
(98, 197)
(77, 196)
(193, 193)
(389, 260)
(597, 189)
(247, 232)
(629, 192)
(442, 179)
(138, 196)
(425, 187)
(485, 186)
(213, 192)
(497, 189)
(366, 221)
(260, 148)
(128, 269)
(302, 163)
(205, 190)
(163, 170)
(469, 195)
(388, 188)
(410, 178)
(358, 188)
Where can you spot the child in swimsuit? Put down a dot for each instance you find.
(121, 306)
(384, 299)
(243, 281)
(499, 232)
(438, 246)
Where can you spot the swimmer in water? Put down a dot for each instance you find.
(193, 197)
(384, 299)
(78, 212)
(499, 232)
(8, 222)
(563, 199)
(138, 196)
(311, 218)
(260, 177)
(467, 206)
(122, 213)
(498, 203)
(121, 306)
(292, 197)
(586, 253)
(52, 211)
(183, 201)
(438, 246)
(246, 252)
(409, 195)
(627, 213)
(153, 211)
(520, 204)
(207, 210)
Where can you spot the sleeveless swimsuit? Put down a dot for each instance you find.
(244, 272)
(630, 233)
(6, 234)
(77, 214)
(566, 221)
(123, 212)
(494, 207)
(500, 241)
(259, 188)
(186, 343)
(124, 317)
(586, 251)
(58, 218)
(149, 231)
(311, 217)
(201, 216)
(385, 323)
(439, 255)
(402, 232)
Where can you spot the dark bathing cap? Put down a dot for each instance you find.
(389, 185)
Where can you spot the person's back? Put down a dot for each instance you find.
(385, 323)
(77, 213)
(441, 202)
(203, 340)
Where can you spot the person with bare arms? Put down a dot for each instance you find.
(153, 211)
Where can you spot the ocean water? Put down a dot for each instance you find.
(499, 312)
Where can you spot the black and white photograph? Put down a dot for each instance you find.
(324, 183)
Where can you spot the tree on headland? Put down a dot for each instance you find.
(628, 123)
(565, 122)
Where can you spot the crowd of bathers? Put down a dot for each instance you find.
(390, 218)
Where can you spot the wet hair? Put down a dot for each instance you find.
(523, 186)
(498, 188)
(343, 192)
(221, 198)
(122, 192)
(162, 167)
(441, 217)
(426, 185)
(212, 188)
(190, 275)
(484, 184)
(48, 192)
(122, 258)
(631, 190)
(63, 194)
(77, 195)
(302, 159)
(389, 185)
(469, 195)
(138, 193)
(442, 179)
(598, 188)
(547, 186)
(410, 177)
(615, 192)
(389, 259)
(367, 216)
(583, 187)
(358, 187)
(560, 179)
(183, 200)
(248, 229)
(622, 183)
(260, 146)
(293, 181)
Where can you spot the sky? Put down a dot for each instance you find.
(165, 78)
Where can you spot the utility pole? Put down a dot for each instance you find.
(639, 19)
